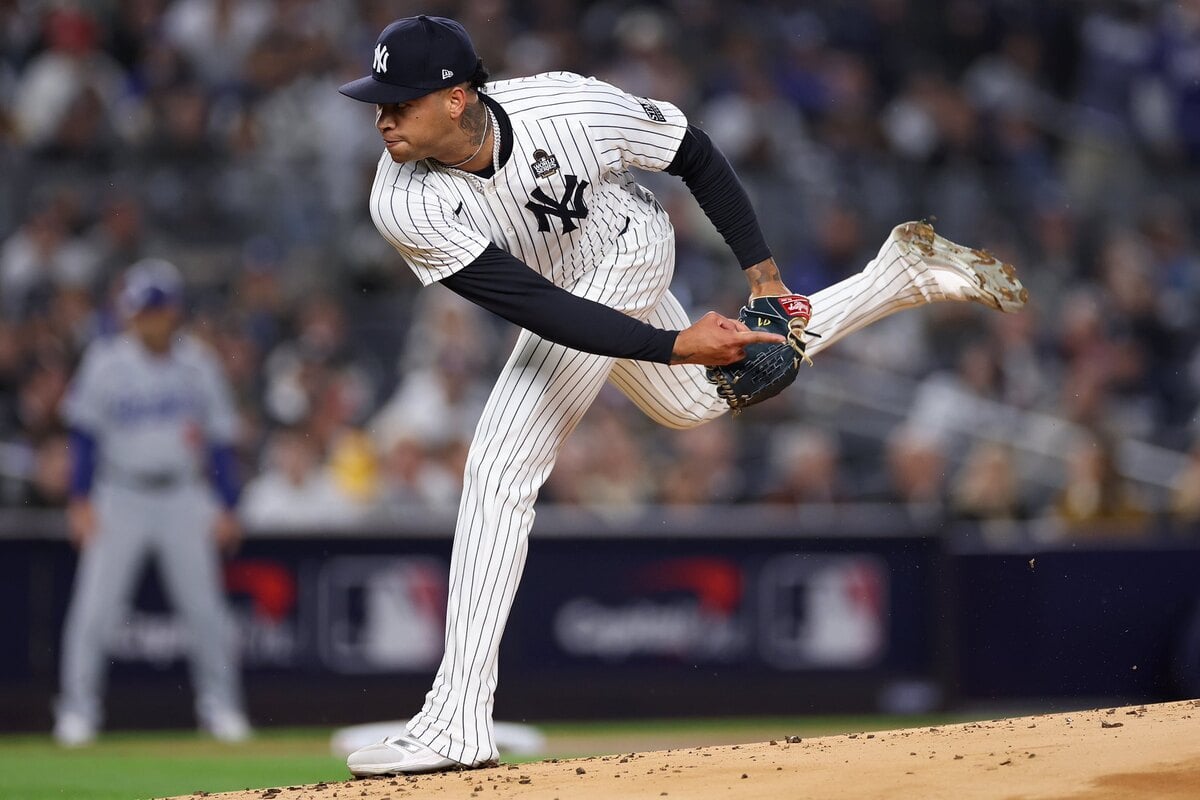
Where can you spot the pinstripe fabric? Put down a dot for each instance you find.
(895, 279)
(441, 219)
(675, 397)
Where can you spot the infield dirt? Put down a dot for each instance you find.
(1150, 751)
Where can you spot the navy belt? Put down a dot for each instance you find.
(151, 481)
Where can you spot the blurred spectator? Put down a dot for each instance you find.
(409, 479)
(217, 35)
(965, 403)
(1116, 49)
(615, 481)
(40, 256)
(988, 486)
(701, 466)
(1173, 123)
(43, 385)
(66, 94)
(354, 466)
(295, 490)
(257, 294)
(444, 384)
(916, 470)
(806, 466)
(1185, 490)
(316, 376)
(603, 466)
(117, 238)
(50, 482)
(1095, 500)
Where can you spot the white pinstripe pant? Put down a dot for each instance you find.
(542, 393)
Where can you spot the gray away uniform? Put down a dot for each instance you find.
(153, 418)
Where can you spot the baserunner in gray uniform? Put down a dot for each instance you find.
(152, 420)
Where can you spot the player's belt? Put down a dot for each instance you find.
(151, 481)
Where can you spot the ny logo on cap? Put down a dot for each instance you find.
(381, 58)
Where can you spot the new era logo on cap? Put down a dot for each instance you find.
(413, 57)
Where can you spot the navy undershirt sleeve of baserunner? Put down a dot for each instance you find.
(509, 288)
(721, 196)
(83, 462)
(223, 467)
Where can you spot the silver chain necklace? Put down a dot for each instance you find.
(495, 139)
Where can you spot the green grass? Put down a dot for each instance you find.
(132, 766)
(143, 765)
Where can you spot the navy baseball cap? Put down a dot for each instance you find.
(151, 283)
(413, 57)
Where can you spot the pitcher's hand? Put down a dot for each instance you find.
(715, 340)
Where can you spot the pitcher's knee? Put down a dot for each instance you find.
(700, 413)
(682, 423)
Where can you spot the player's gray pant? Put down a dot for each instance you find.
(175, 527)
(538, 400)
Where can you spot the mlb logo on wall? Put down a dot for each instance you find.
(381, 614)
(823, 612)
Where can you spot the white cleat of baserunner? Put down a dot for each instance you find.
(398, 755)
(964, 273)
(74, 730)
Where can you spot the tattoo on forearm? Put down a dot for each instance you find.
(762, 274)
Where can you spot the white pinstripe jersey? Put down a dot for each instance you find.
(561, 200)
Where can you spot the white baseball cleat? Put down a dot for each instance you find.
(398, 755)
(74, 730)
(229, 726)
(964, 273)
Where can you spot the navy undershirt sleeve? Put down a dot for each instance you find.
(223, 466)
(716, 187)
(82, 446)
(509, 288)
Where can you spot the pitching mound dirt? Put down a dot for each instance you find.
(1106, 754)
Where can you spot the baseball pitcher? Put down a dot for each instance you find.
(519, 195)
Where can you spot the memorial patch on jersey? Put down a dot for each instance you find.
(568, 209)
(652, 111)
(544, 164)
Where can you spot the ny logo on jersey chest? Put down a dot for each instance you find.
(568, 209)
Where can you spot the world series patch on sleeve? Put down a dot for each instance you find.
(767, 369)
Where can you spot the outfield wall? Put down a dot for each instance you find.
(833, 611)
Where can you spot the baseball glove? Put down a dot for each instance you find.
(767, 369)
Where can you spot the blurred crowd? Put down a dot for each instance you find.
(1064, 137)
